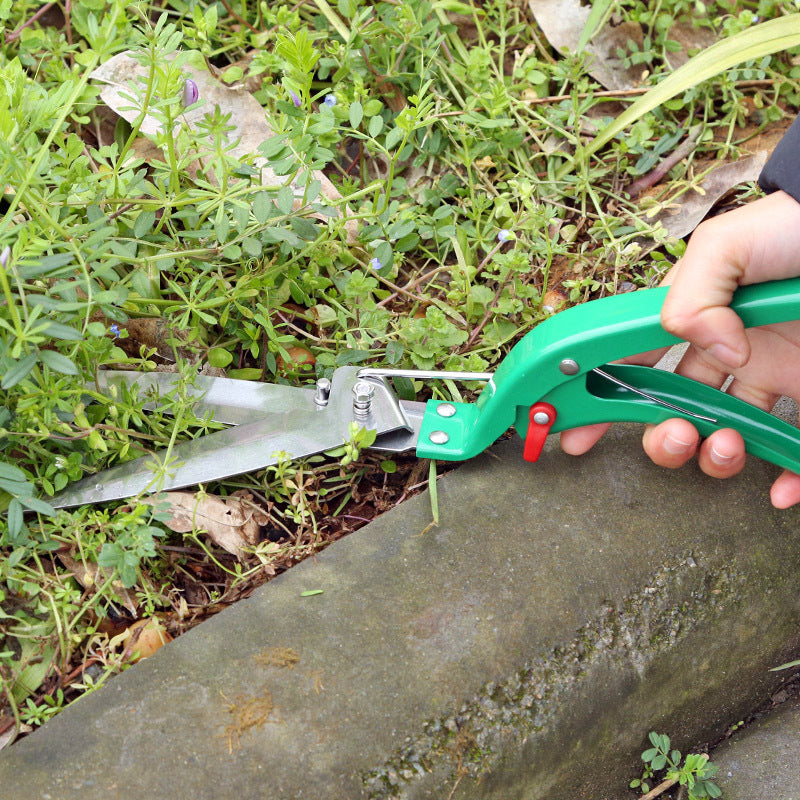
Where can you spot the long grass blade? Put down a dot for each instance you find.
(761, 40)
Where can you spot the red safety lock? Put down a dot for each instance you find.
(541, 418)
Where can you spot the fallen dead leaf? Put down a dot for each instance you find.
(680, 219)
(563, 21)
(691, 39)
(233, 522)
(11, 734)
(141, 639)
(554, 300)
(88, 575)
(154, 333)
(122, 71)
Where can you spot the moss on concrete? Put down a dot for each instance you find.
(677, 599)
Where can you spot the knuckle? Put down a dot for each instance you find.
(676, 320)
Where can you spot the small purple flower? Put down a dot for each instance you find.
(191, 94)
(375, 263)
(295, 99)
(115, 330)
(504, 235)
(4, 256)
(330, 100)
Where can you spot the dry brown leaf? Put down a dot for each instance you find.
(122, 71)
(680, 219)
(563, 21)
(691, 40)
(11, 734)
(233, 522)
(141, 639)
(88, 575)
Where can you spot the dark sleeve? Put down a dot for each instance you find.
(782, 171)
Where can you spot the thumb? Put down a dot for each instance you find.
(717, 330)
(702, 285)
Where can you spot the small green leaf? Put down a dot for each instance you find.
(219, 357)
(65, 332)
(356, 113)
(11, 473)
(144, 223)
(285, 199)
(262, 207)
(34, 504)
(393, 138)
(245, 374)
(18, 371)
(14, 517)
(649, 755)
(311, 592)
(251, 246)
(394, 352)
(58, 362)
(232, 74)
(375, 126)
(389, 466)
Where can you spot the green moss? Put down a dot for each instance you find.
(468, 743)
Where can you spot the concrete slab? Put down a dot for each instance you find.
(523, 649)
(763, 761)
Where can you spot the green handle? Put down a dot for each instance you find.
(708, 409)
(590, 335)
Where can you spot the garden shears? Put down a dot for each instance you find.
(560, 375)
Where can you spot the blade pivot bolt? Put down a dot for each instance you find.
(439, 437)
(323, 392)
(541, 418)
(569, 366)
(363, 392)
(446, 410)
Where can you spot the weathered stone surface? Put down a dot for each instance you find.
(523, 649)
(762, 762)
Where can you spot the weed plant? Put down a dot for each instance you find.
(460, 143)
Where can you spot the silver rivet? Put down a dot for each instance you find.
(363, 393)
(323, 392)
(439, 437)
(445, 409)
(569, 366)
(541, 418)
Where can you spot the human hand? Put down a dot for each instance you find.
(754, 243)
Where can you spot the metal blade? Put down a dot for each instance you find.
(292, 428)
(230, 401)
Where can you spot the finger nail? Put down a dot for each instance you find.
(718, 458)
(727, 355)
(675, 446)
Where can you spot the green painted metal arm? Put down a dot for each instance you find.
(591, 335)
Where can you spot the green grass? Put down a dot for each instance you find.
(439, 131)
